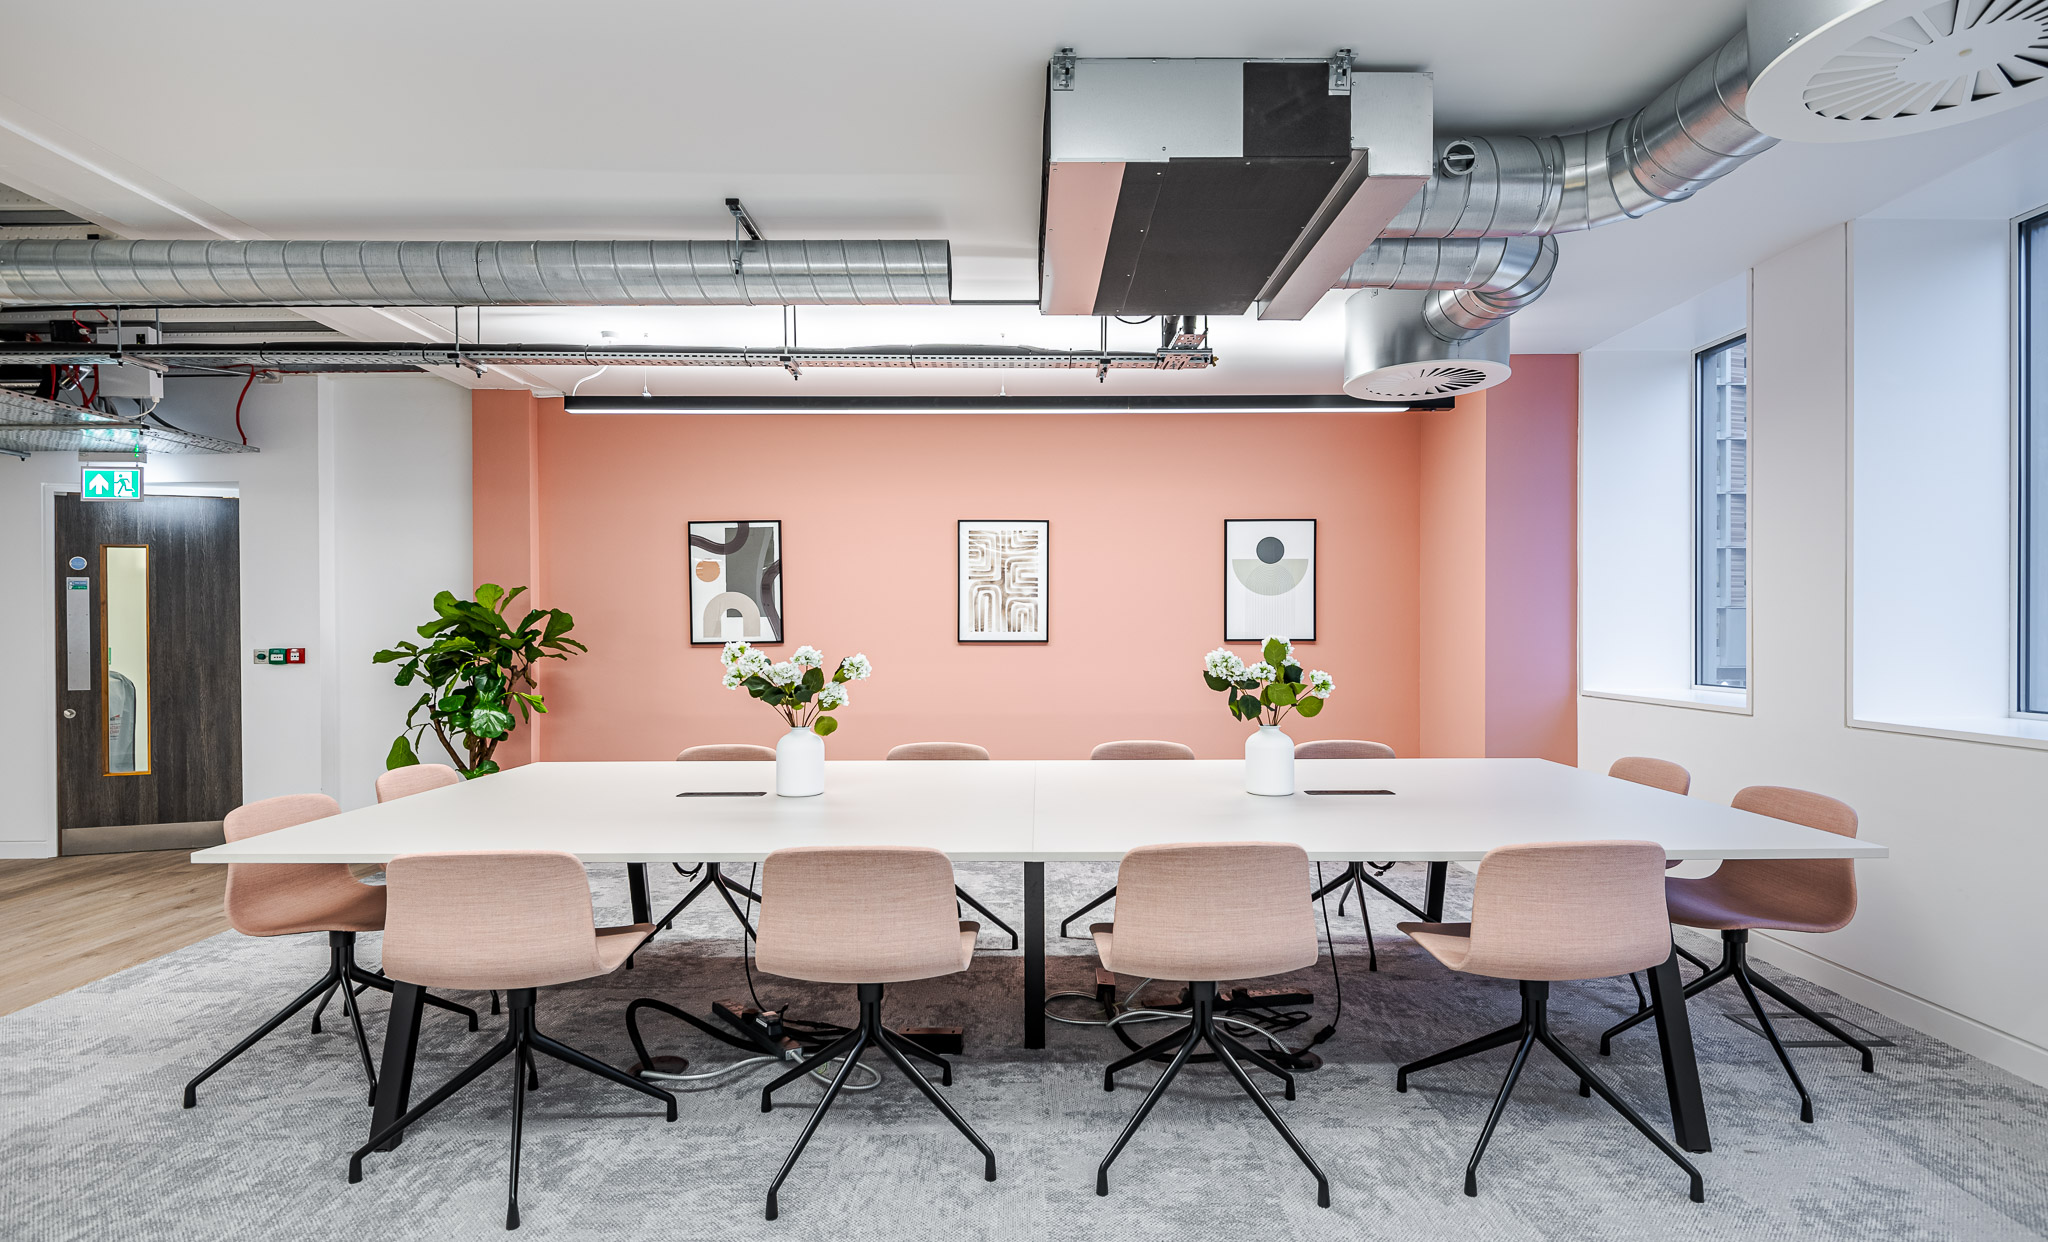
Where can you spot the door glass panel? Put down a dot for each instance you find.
(124, 578)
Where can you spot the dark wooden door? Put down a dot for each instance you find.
(149, 684)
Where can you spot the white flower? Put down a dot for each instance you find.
(734, 652)
(1261, 671)
(734, 678)
(784, 674)
(832, 697)
(856, 668)
(753, 664)
(1319, 683)
(1223, 663)
(808, 657)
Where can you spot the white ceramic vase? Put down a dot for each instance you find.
(800, 764)
(1269, 763)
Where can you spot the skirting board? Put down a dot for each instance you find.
(27, 849)
(134, 839)
(2003, 1049)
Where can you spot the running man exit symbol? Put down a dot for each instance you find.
(111, 483)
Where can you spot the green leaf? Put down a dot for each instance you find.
(1291, 674)
(1309, 707)
(825, 726)
(1274, 652)
(401, 755)
(489, 594)
(486, 768)
(1280, 694)
(559, 623)
(490, 719)
(814, 681)
(1215, 682)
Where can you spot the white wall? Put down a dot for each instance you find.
(355, 511)
(1948, 934)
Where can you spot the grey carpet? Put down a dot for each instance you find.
(1935, 1145)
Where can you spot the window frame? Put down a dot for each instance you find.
(2029, 492)
(1699, 354)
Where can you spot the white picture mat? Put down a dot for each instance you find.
(1249, 616)
(965, 618)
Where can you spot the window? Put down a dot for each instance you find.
(1721, 514)
(2032, 380)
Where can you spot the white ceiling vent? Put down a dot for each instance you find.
(1846, 70)
(1390, 354)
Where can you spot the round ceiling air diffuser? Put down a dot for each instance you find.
(1391, 355)
(1846, 70)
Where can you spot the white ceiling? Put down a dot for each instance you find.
(524, 119)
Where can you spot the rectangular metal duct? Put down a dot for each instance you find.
(1202, 186)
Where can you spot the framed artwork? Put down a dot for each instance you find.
(1269, 579)
(735, 582)
(1004, 567)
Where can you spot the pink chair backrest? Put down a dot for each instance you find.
(938, 750)
(1656, 773)
(262, 897)
(475, 920)
(727, 752)
(1569, 910)
(1214, 911)
(1337, 748)
(1799, 890)
(1141, 750)
(419, 778)
(844, 914)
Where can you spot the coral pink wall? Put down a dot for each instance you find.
(868, 505)
(505, 505)
(1453, 581)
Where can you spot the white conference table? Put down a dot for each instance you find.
(1435, 811)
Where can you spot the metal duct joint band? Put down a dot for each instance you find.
(1694, 132)
(512, 273)
(1460, 314)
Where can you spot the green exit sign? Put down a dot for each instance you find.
(111, 483)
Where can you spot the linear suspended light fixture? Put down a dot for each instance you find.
(1290, 404)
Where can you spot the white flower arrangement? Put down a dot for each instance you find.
(797, 687)
(1265, 691)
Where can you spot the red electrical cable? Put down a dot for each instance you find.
(238, 405)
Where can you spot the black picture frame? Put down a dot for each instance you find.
(960, 581)
(1315, 592)
(781, 602)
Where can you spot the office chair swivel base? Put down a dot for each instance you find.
(341, 969)
(1734, 964)
(1201, 1028)
(870, 1033)
(1533, 1029)
(522, 1039)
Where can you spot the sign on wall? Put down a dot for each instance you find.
(110, 483)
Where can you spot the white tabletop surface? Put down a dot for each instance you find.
(1037, 811)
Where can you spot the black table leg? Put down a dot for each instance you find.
(636, 884)
(1681, 1071)
(1034, 955)
(1433, 896)
(401, 1042)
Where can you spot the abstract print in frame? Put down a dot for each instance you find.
(735, 582)
(1004, 568)
(1269, 579)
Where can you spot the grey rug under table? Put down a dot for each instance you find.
(94, 1145)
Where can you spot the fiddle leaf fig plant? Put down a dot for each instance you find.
(475, 667)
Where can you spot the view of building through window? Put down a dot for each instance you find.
(1721, 517)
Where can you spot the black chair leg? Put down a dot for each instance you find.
(498, 1052)
(1244, 1052)
(331, 979)
(1715, 974)
(1193, 1036)
(913, 1048)
(808, 1065)
(591, 1065)
(1500, 1104)
(1065, 922)
(354, 1010)
(963, 895)
(918, 1080)
(320, 1009)
(1266, 1106)
(1698, 1191)
(817, 1115)
(519, 1063)
(1777, 1045)
(1791, 1002)
(1471, 1047)
(1146, 1053)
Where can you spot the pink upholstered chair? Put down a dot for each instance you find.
(727, 752)
(417, 778)
(287, 899)
(1354, 877)
(1542, 914)
(1125, 751)
(869, 917)
(517, 922)
(714, 876)
(955, 752)
(1203, 913)
(1788, 894)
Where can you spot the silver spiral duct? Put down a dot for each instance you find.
(1693, 133)
(506, 273)
(1476, 281)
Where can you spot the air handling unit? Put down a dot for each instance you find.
(1180, 187)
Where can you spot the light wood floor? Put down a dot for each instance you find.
(65, 922)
